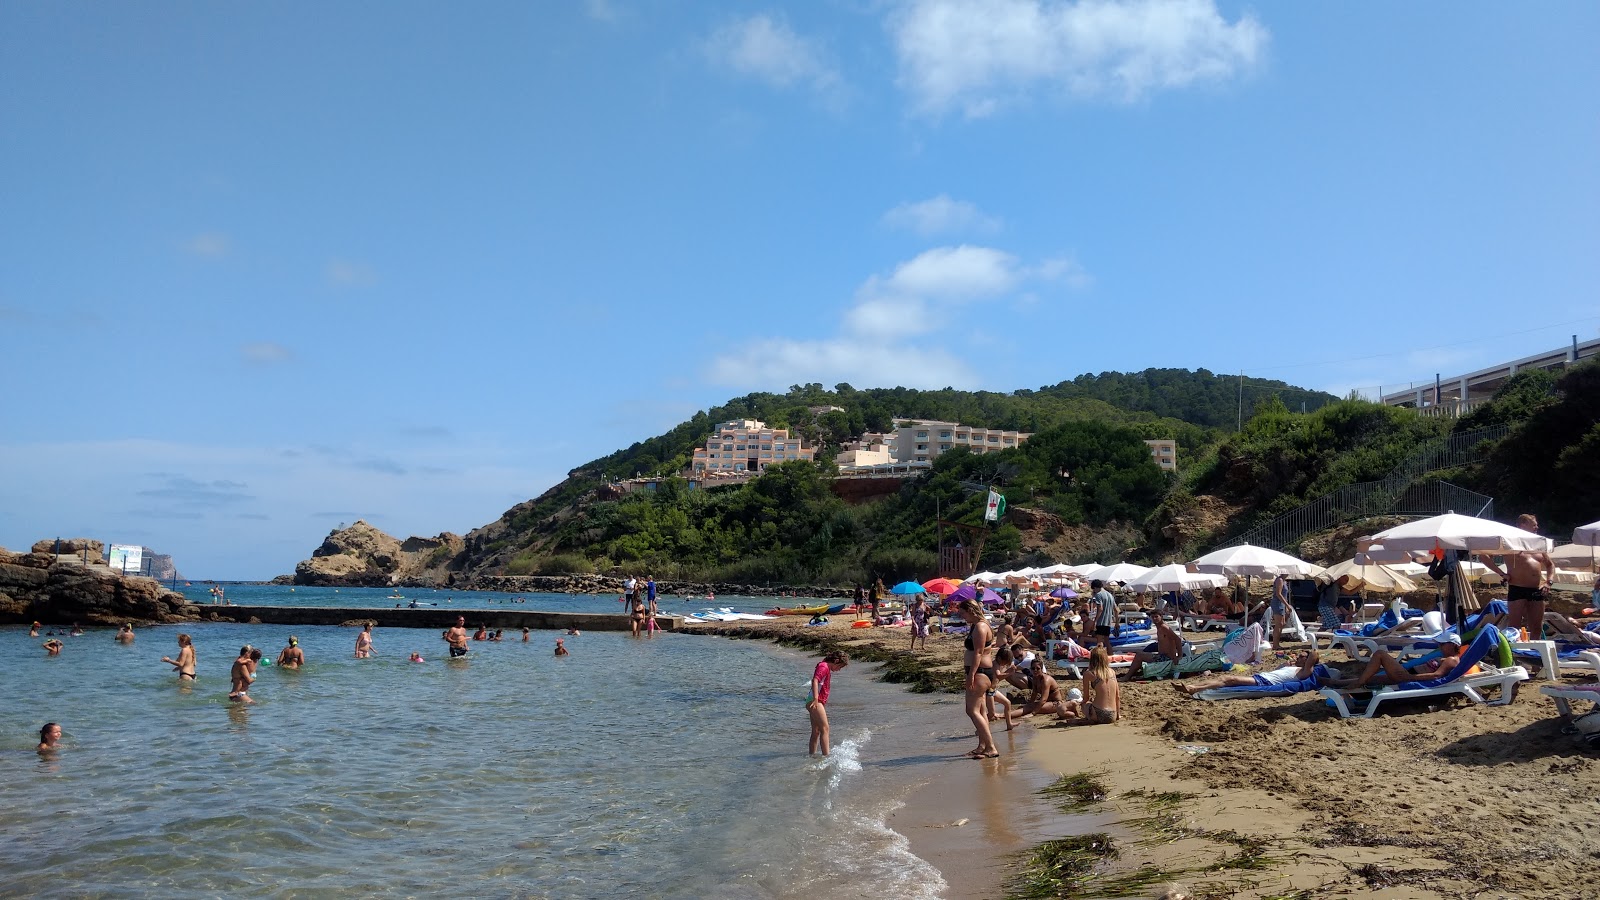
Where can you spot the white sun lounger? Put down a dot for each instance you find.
(1564, 695)
(1467, 686)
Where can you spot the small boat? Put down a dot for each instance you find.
(799, 611)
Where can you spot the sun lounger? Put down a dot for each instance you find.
(1457, 682)
(1257, 691)
(1565, 694)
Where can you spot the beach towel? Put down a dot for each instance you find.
(1312, 682)
(1243, 646)
(1192, 664)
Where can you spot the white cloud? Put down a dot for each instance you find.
(211, 245)
(978, 55)
(349, 273)
(940, 215)
(600, 10)
(764, 47)
(265, 353)
(885, 334)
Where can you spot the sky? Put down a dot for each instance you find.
(270, 268)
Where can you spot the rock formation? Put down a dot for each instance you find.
(40, 586)
(364, 556)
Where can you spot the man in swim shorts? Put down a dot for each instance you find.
(1305, 665)
(1105, 618)
(456, 637)
(1526, 574)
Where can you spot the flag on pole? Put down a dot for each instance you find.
(995, 508)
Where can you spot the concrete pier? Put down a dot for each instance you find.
(432, 617)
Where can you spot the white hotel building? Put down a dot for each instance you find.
(747, 445)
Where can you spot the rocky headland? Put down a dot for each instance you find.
(57, 589)
(364, 556)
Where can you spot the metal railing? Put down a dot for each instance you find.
(1396, 494)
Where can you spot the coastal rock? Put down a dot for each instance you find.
(73, 547)
(364, 556)
(37, 586)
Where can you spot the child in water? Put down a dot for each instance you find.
(817, 698)
(416, 657)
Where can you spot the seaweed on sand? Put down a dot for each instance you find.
(1076, 792)
(1060, 867)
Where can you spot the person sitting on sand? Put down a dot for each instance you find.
(292, 657)
(1385, 668)
(1305, 663)
(1046, 698)
(1168, 646)
(1103, 696)
(125, 634)
(53, 647)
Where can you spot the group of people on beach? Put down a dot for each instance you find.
(639, 601)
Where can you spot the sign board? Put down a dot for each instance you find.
(127, 558)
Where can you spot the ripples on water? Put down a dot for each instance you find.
(669, 768)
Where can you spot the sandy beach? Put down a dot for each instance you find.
(1270, 798)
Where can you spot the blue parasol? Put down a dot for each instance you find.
(907, 587)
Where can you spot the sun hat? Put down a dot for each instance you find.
(1075, 695)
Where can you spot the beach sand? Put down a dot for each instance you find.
(1439, 798)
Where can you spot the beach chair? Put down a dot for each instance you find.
(1257, 691)
(1565, 694)
(1457, 682)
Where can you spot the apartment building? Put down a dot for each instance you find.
(747, 445)
(1165, 453)
(915, 440)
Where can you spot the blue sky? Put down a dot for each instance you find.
(273, 267)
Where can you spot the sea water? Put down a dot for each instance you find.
(670, 767)
(444, 598)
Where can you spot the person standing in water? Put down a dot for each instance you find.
(125, 634)
(456, 637)
(184, 665)
(240, 676)
(292, 656)
(49, 737)
(817, 699)
(364, 642)
(561, 648)
(978, 659)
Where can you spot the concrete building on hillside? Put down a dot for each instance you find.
(871, 449)
(747, 445)
(917, 440)
(1460, 394)
(1165, 453)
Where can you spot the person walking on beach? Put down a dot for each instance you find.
(978, 659)
(456, 637)
(1280, 609)
(817, 700)
(1526, 575)
(49, 737)
(919, 621)
(184, 664)
(860, 602)
(292, 656)
(364, 642)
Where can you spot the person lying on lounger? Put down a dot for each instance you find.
(1565, 630)
(1383, 668)
(1301, 670)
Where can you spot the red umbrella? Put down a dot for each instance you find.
(941, 586)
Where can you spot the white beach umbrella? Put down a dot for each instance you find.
(985, 578)
(1116, 572)
(1573, 556)
(1248, 560)
(1174, 578)
(1057, 569)
(1587, 535)
(1453, 531)
(1376, 578)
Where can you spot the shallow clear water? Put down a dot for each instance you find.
(673, 767)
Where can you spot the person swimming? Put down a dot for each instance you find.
(49, 737)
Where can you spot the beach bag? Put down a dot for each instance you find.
(1587, 729)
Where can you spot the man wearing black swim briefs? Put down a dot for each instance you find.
(456, 637)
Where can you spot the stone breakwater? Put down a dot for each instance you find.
(58, 590)
(607, 584)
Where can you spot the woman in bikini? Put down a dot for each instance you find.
(364, 642)
(1101, 692)
(184, 664)
(979, 661)
(638, 614)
